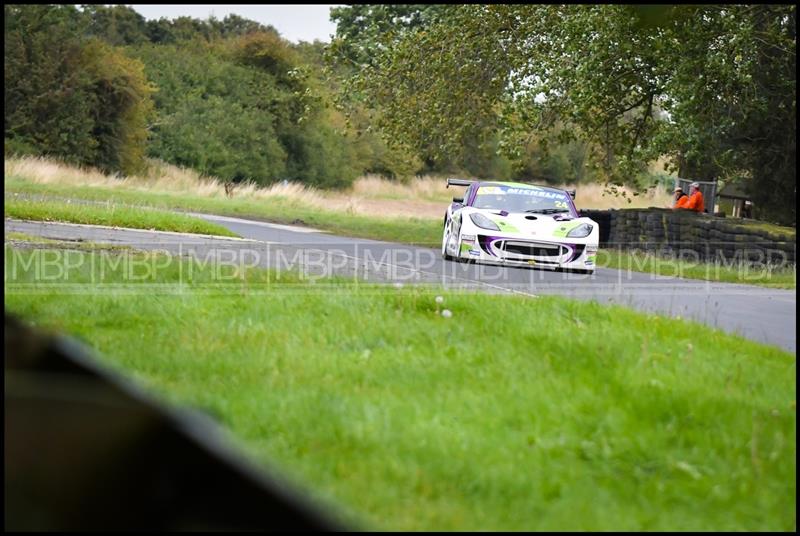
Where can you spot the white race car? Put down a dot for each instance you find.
(518, 224)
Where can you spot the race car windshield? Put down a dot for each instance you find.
(513, 199)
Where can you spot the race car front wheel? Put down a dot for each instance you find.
(445, 242)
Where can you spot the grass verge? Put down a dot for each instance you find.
(742, 273)
(109, 214)
(513, 414)
(277, 209)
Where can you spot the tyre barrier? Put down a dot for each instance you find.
(707, 237)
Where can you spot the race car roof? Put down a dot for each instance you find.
(519, 185)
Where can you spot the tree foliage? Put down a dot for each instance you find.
(46, 92)
(118, 25)
(101, 86)
(244, 109)
(363, 31)
(78, 99)
(712, 86)
(121, 106)
(735, 106)
(360, 51)
(122, 25)
(212, 115)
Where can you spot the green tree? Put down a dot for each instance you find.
(244, 109)
(116, 24)
(713, 86)
(213, 115)
(121, 107)
(166, 31)
(364, 34)
(363, 30)
(317, 153)
(47, 94)
(83, 101)
(233, 25)
(734, 104)
(370, 152)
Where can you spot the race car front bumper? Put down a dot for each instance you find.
(518, 251)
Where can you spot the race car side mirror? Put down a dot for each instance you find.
(572, 194)
(458, 200)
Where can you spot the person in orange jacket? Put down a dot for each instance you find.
(680, 198)
(695, 201)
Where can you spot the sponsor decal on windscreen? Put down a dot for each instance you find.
(509, 190)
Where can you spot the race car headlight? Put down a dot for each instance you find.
(581, 231)
(483, 222)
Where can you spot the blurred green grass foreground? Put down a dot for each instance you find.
(508, 413)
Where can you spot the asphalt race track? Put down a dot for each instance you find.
(761, 314)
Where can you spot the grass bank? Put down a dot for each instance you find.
(513, 414)
(742, 273)
(111, 214)
(277, 209)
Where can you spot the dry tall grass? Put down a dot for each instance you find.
(428, 187)
(370, 195)
(431, 188)
(160, 177)
(594, 196)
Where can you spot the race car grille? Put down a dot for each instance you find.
(533, 250)
(523, 250)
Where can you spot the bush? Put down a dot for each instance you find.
(83, 101)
